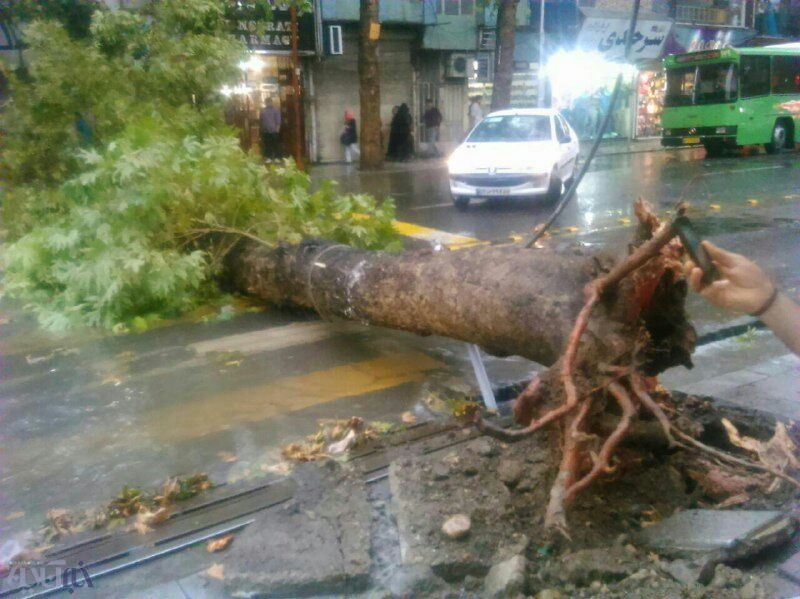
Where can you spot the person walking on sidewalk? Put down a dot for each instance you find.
(401, 144)
(475, 112)
(433, 121)
(744, 288)
(270, 126)
(349, 137)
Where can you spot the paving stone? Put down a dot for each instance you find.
(730, 534)
(318, 544)
(421, 504)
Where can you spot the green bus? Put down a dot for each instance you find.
(733, 97)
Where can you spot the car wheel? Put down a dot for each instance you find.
(461, 202)
(555, 187)
(778, 140)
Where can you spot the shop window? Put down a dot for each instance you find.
(754, 71)
(785, 74)
(455, 7)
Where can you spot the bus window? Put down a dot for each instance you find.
(680, 86)
(716, 83)
(785, 74)
(754, 72)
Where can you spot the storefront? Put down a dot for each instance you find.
(267, 77)
(582, 81)
(651, 87)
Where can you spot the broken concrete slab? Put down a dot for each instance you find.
(318, 544)
(729, 534)
(421, 502)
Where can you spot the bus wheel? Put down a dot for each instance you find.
(713, 149)
(780, 135)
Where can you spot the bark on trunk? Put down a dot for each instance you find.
(370, 87)
(504, 54)
(506, 299)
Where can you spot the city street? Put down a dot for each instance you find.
(87, 415)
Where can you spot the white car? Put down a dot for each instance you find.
(513, 153)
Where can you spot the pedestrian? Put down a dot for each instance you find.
(433, 120)
(270, 126)
(744, 288)
(401, 145)
(475, 112)
(349, 137)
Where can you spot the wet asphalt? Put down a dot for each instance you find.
(84, 414)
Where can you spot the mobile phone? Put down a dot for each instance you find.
(692, 241)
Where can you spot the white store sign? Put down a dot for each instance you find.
(609, 36)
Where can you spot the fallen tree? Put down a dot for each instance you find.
(605, 326)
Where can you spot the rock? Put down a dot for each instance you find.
(623, 539)
(527, 484)
(510, 471)
(549, 594)
(607, 564)
(726, 577)
(271, 556)
(440, 471)
(506, 579)
(639, 575)
(484, 447)
(683, 571)
(457, 527)
(516, 544)
(751, 591)
(472, 583)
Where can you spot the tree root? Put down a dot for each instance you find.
(626, 385)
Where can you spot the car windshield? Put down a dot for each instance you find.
(704, 84)
(531, 127)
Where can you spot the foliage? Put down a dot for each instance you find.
(82, 92)
(124, 245)
(74, 15)
(119, 170)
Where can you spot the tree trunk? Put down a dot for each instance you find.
(504, 54)
(370, 86)
(508, 300)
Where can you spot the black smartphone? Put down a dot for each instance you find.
(691, 240)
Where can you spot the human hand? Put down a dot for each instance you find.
(742, 286)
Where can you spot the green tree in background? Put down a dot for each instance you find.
(118, 165)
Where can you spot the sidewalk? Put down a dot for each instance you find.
(335, 170)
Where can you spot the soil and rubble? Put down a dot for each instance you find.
(468, 521)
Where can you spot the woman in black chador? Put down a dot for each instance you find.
(401, 145)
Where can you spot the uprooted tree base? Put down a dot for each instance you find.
(606, 327)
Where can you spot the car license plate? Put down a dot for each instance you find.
(691, 140)
(493, 191)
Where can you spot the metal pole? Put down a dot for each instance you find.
(540, 78)
(297, 143)
(483, 379)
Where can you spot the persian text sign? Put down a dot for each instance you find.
(609, 37)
